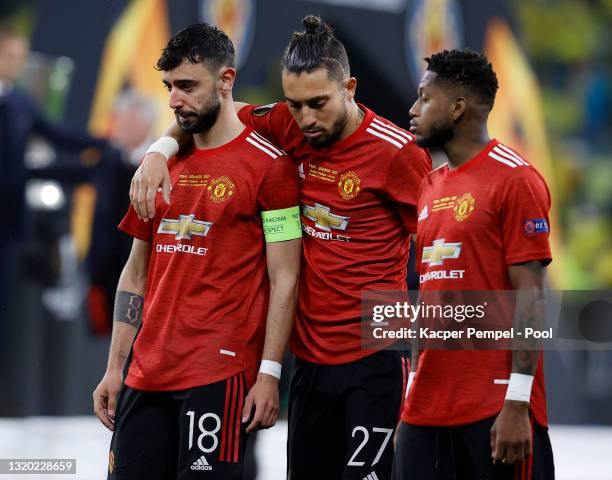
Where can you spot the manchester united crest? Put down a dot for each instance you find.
(349, 185)
(464, 207)
(220, 189)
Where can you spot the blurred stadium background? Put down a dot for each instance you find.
(91, 70)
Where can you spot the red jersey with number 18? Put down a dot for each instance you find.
(207, 287)
(358, 200)
(475, 221)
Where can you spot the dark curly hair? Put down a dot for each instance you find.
(196, 43)
(316, 47)
(465, 68)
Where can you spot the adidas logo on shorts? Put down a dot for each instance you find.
(201, 464)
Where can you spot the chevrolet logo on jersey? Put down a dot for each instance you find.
(324, 219)
(184, 227)
(440, 251)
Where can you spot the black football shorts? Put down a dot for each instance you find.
(189, 434)
(464, 452)
(342, 418)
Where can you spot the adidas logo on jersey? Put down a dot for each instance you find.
(201, 464)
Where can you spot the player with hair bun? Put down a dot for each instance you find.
(359, 176)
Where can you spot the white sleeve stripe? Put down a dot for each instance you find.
(511, 152)
(502, 160)
(445, 164)
(267, 142)
(261, 140)
(384, 137)
(406, 135)
(389, 132)
(512, 158)
(261, 147)
(503, 149)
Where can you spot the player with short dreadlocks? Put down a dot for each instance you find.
(476, 413)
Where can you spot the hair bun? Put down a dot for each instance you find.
(313, 24)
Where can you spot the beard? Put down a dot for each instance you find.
(201, 121)
(332, 136)
(439, 135)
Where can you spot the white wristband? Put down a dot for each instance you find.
(271, 367)
(409, 384)
(166, 146)
(519, 387)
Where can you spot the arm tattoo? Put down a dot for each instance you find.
(128, 308)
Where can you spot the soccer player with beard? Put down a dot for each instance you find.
(359, 177)
(213, 278)
(480, 413)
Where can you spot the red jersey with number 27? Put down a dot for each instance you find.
(207, 289)
(475, 221)
(358, 207)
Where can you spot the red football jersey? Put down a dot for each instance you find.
(475, 221)
(358, 200)
(207, 288)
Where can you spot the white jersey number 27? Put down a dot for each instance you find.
(353, 462)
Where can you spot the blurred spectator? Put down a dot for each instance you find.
(19, 119)
(131, 133)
